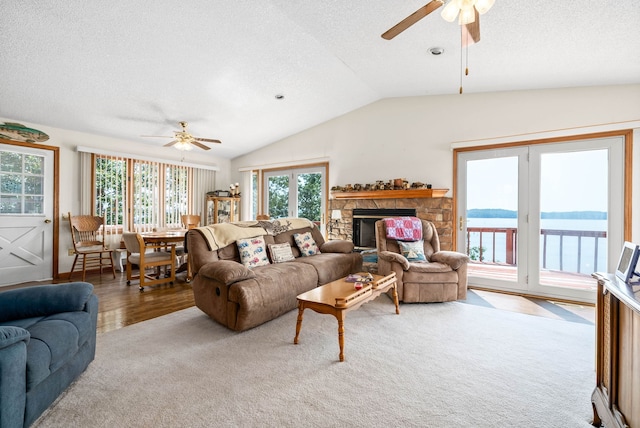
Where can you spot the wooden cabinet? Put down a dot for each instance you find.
(616, 398)
(222, 209)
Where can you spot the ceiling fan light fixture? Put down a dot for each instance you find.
(467, 16)
(183, 146)
(450, 11)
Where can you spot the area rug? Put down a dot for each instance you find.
(434, 365)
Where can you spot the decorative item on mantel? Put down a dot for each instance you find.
(395, 184)
(398, 188)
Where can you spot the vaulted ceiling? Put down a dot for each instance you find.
(126, 69)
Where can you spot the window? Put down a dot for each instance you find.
(159, 194)
(21, 183)
(296, 192)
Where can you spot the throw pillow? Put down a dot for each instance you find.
(413, 251)
(281, 252)
(306, 244)
(252, 252)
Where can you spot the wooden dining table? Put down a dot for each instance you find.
(168, 237)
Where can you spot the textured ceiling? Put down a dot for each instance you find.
(126, 69)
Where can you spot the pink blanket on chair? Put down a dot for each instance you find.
(403, 228)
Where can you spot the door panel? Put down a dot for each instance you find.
(574, 210)
(491, 230)
(26, 214)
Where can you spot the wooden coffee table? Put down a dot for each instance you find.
(338, 297)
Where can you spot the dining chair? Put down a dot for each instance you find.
(148, 256)
(189, 221)
(87, 235)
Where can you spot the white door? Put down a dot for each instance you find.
(26, 214)
(540, 219)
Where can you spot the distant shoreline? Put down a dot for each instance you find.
(562, 215)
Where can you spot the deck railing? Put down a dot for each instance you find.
(510, 241)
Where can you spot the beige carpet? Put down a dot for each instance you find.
(434, 365)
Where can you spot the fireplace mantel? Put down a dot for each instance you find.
(392, 194)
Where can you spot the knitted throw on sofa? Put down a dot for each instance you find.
(222, 234)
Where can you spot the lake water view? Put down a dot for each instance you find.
(588, 261)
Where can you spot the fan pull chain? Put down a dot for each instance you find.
(464, 55)
(461, 60)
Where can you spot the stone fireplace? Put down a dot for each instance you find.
(427, 206)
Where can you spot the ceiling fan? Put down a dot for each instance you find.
(467, 12)
(182, 140)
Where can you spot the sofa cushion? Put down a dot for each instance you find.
(306, 244)
(253, 252)
(332, 266)
(281, 253)
(337, 246)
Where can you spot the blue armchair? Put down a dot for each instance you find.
(47, 339)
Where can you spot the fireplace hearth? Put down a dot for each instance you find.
(364, 219)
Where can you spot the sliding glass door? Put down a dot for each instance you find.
(540, 219)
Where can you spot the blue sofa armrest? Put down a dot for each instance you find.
(43, 300)
(13, 370)
(10, 335)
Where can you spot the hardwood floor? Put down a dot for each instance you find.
(121, 305)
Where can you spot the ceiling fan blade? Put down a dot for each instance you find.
(207, 140)
(202, 146)
(471, 32)
(171, 143)
(412, 19)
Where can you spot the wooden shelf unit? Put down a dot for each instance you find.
(391, 194)
(615, 397)
(221, 209)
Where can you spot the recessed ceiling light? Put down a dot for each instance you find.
(436, 51)
(279, 97)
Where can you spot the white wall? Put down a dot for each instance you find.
(411, 137)
(68, 140)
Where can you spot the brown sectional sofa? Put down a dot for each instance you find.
(241, 298)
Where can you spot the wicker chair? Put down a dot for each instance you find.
(87, 234)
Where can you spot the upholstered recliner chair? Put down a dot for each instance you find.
(47, 339)
(441, 278)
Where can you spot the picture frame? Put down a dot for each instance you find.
(626, 268)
